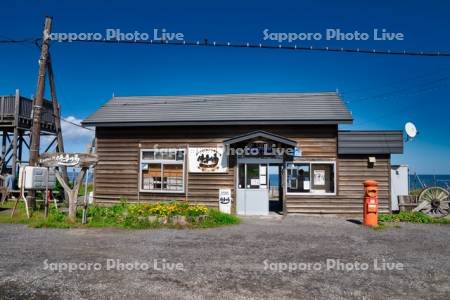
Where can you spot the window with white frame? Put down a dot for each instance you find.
(162, 170)
(311, 177)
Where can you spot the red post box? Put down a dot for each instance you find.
(370, 211)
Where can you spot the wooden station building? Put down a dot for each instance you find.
(279, 152)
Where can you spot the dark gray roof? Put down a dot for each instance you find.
(282, 108)
(258, 134)
(370, 142)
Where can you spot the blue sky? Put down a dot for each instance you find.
(383, 92)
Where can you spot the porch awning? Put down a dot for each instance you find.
(260, 134)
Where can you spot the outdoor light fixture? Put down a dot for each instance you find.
(372, 161)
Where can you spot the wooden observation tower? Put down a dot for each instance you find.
(16, 121)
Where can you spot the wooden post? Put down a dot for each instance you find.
(94, 175)
(16, 132)
(3, 158)
(186, 183)
(85, 201)
(39, 97)
(82, 160)
(21, 197)
(284, 184)
(72, 193)
(39, 101)
(19, 155)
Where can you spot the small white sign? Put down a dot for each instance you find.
(254, 181)
(319, 177)
(63, 159)
(225, 200)
(263, 170)
(306, 185)
(263, 179)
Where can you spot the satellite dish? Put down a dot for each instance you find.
(411, 130)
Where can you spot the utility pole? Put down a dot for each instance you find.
(39, 100)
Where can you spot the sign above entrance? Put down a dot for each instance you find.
(264, 150)
(207, 160)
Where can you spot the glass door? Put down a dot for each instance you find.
(252, 176)
(252, 192)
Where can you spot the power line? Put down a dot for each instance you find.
(72, 123)
(214, 44)
(404, 108)
(425, 87)
(206, 43)
(6, 40)
(397, 82)
(407, 90)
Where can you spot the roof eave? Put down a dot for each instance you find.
(260, 133)
(388, 142)
(231, 122)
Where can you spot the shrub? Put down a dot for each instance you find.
(133, 216)
(167, 209)
(196, 211)
(216, 218)
(100, 215)
(412, 217)
(55, 215)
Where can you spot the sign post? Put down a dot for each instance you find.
(81, 160)
(225, 200)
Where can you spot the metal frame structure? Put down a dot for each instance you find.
(16, 119)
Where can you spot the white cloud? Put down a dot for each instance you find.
(76, 138)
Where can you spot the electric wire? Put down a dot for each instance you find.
(214, 44)
(72, 123)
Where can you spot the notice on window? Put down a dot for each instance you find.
(319, 177)
(263, 170)
(306, 185)
(263, 179)
(254, 181)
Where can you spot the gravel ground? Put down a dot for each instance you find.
(237, 262)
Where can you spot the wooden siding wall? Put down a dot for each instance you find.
(117, 173)
(352, 170)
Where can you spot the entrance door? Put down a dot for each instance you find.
(252, 186)
(275, 188)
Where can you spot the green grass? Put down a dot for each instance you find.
(217, 218)
(90, 188)
(412, 217)
(124, 215)
(415, 192)
(37, 220)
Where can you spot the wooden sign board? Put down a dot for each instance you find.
(207, 160)
(68, 159)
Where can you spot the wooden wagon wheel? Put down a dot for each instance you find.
(434, 201)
